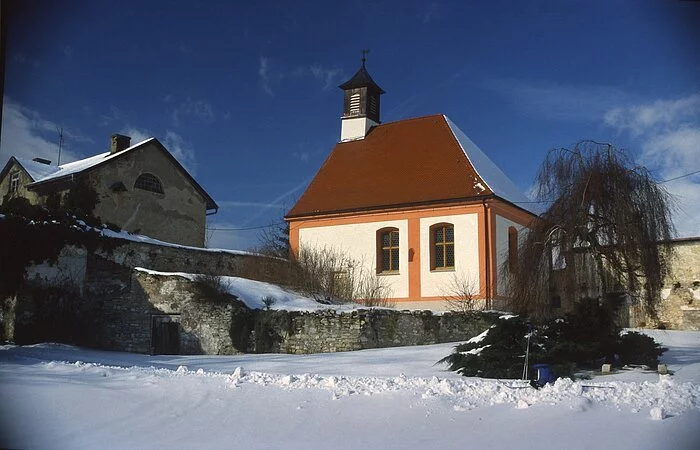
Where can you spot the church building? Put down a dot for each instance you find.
(415, 202)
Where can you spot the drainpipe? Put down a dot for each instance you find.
(487, 255)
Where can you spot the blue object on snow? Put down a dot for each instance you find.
(544, 374)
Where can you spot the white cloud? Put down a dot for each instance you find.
(301, 156)
(176, 145)
(137, 135)
(674, 151)
(330, 76)
(668, 133)
(181, 150)
(433, 13)
(263, 73)
(269, 79)
(555, 101)
(639, 119)
(200, 109)
(25, 134)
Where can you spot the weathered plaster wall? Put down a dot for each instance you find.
(69, 268)
(177, 215)
(23, 181)
(680, 302)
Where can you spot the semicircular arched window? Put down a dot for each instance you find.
(149, 182)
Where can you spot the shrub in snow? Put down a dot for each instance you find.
(638, 348)
(584, 340)
(268, 302)
(213, 287)
(500, 354)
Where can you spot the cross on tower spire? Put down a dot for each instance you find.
(365, 51)
(360, 104)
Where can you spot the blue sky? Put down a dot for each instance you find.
(245, 93)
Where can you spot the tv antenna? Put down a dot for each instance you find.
(60, 144)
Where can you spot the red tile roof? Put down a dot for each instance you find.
(407, 162)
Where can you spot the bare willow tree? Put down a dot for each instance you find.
(604, 210)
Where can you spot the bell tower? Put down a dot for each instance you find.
(360, 104)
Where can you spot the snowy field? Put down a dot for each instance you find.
(62, 397)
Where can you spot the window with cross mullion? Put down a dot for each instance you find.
(443, 247)
(390, 251)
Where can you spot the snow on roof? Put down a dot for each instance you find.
(496, 180)
(84, 164)
(36, 170)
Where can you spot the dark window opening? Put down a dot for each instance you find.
(443, 246)
(148, 182)
(388, 250)
(14, 182)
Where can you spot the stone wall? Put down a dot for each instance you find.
(221, 325)
(101, 287)
(123, 309)
(679, 307)
(328, 331)
(172, 258)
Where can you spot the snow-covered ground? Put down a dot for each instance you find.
(57, 396)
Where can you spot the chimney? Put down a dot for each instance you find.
(119, 143)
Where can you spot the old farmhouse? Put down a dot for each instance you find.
(414, 201)
(140, 188)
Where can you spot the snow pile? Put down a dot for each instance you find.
(462, 393)
(253, 292)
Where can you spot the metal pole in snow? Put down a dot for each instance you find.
(527, 353)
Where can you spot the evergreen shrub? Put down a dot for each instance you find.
(583, 340)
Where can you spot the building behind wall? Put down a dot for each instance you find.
(140, 188)
(678, 308)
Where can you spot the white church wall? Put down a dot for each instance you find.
(436, 283)
(502, 225)
(359, 242)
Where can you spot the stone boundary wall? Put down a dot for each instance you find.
(226, 326)
(100, 285)
(122, 309)
(679, 308)
(690, 318)
(166, 258)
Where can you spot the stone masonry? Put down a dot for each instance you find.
(226, 326)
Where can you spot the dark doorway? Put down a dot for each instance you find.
(165, 336)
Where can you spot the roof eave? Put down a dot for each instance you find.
(367, 209)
